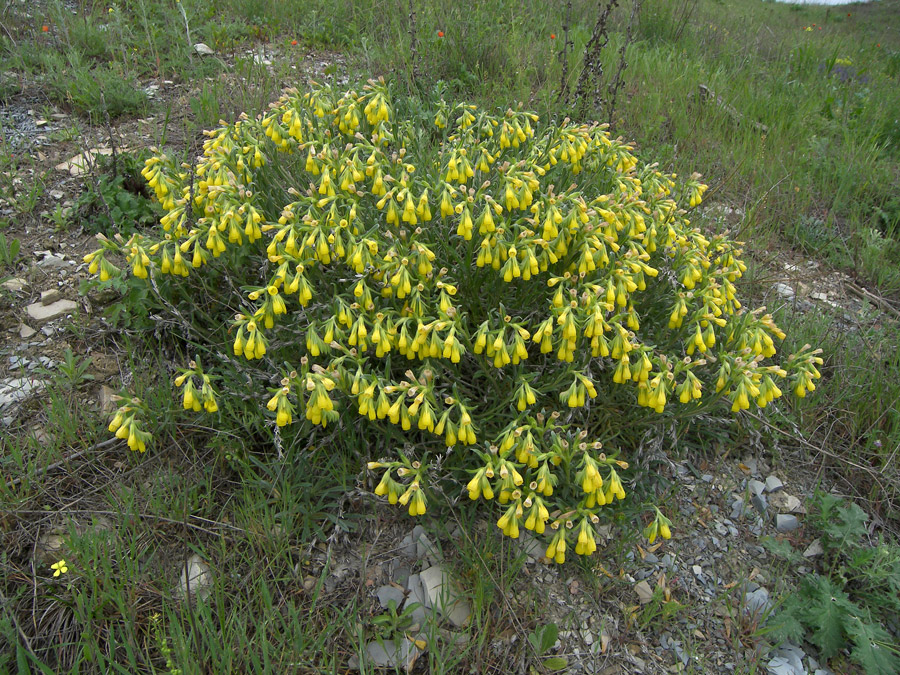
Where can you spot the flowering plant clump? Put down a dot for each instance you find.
(485, 283)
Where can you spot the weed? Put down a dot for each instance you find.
(542, 638)
(393, 624)
(9, 251)
(73, 371)
(96, 92)
(855, 599)
(116, 199)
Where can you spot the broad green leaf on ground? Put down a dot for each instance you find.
(827, 610)
(873, 648)
(852, 524)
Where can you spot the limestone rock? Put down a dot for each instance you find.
(42, 313)
(195, 577)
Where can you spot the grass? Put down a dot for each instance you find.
(818, 177)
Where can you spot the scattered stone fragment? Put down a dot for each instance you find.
(51, 262)
(531, 546)
(457, 640)
(441, 595)
(15, 285)
(759, 503)
(204, 49)
(42, 313)
(401, 653)
(426, 549)
(738, 508)
(42, 436)
(756, 487)
(79, 164)
(50, 545)
(644, 592)
(786, 503)
(784, 291)
(195, 580)
(50, 296)
(400, 573)
(814, 549)
(757, 601)
(408, 545)
(773, 484)
(18, 389)
(107, 399)
(387, 593)
(26, 331)
(417, 595)
(787, 660)
(786, 522)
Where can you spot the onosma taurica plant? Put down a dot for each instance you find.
(496, 297)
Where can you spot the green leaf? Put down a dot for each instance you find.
(786, 626)
(827, 610)
(782, 548)
(873, 648)
(852, 526)
(544, 637)
(548, 636)
(556, 663)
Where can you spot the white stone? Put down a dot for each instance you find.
(26, 331)
(204, 49)
(107, 399)
(644, 592)
(195, 577)
(79, 164)
(41, 313)
(441, 594)
(786, 503)
(784, 291)
(401, 653)
(15, 285)
(50, 296)
(51, 261)
(18, 389)
(814, 549)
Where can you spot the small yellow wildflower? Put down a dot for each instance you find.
(59, 568)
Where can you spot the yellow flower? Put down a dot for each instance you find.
(59, 568)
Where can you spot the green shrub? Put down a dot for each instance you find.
(118, 198)
(505, 302)
(855, 601)
(97, 91)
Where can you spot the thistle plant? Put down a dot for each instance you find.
(497, 291)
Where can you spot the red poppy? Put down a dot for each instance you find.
(293, 43)
(440, 33)
(552, 36)
(45, 29)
